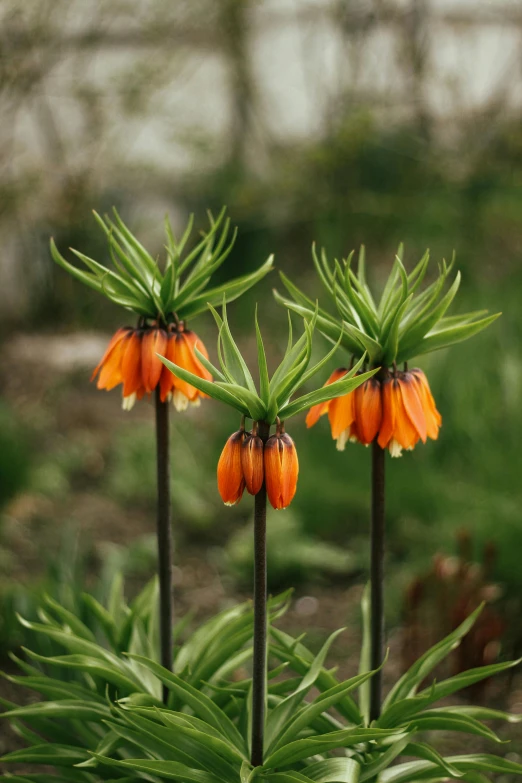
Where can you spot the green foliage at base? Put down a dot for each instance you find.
(102, 718)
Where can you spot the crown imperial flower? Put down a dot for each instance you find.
(240, 463)
(163, 298)
(131, 359)
(396, 407)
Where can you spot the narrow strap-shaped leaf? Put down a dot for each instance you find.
(200, 703)
(446, 337)
(334, 771)
(306, 748)
(232, 289)
(48, 753)
(322, 703)
(264, 379)
(383, 760)
(90, 280)
(410, 680)
(335, 389)
(207, 387)
(426, 752)
(171, 770)
(283, 715)
(445, 720)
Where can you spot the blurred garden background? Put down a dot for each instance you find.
(336, 121)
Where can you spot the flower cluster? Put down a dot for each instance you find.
(131, 359)
(398, 410)
(247, 462)
(163, 295)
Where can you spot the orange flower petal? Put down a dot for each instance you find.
(252, 463)
(131, 364)
(187, 359)
(289, 470)
(115, 339)
(405, 433)
(368, 410)
(111, 375)
(389, 415)
(316, 411)
(273, 476)
(154, 342)
(231, 483)
(341, 414)
(433, 417)
(281, 470)
(167, 378)
(412, 404)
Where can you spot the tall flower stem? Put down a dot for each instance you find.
(377, 578)
(260, 619)
(164, 534)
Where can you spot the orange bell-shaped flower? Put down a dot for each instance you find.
(154, 342)
(252, 462)
(180, 350)
(231, 483)
(433, 417)
(281, 469)
(409, 412)
(367, 410)
(316, 411)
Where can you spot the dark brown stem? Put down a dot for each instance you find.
(377, 578)
(164, 534)
(260, 619)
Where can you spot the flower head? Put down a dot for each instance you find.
(131, 359)
(396, 408)
(398, 411)
(355, 416)
(163, 297)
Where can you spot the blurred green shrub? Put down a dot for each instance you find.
(14, 454)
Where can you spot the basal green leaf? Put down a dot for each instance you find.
(407, 685)
(171, 770)
(334, 771)
(48, 753)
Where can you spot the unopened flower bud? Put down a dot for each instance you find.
(252, 462)
(281, 469)
(231, 483)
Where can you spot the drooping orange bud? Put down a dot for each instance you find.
(231, 482)
(252, 462)
(281, 469)
(154, 342)
(316, 411)
(368, 410)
